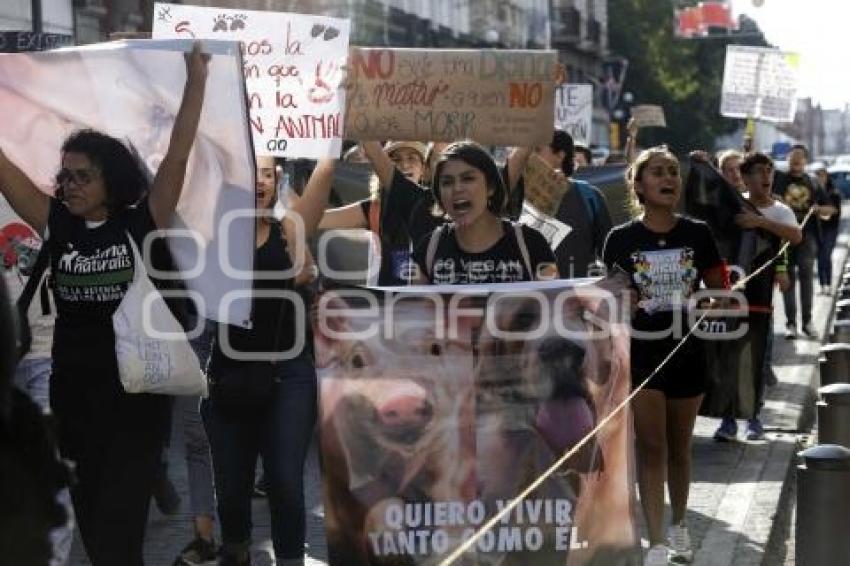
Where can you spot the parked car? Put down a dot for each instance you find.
(840, 174)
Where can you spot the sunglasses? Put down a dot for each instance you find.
(81, 177)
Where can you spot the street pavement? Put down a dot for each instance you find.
(741, 505)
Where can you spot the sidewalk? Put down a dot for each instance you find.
(740, 510)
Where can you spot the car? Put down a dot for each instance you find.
(840, 174)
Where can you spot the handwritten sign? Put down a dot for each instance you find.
(544, 187)
(554, 231)
(24, 41)
(760, 83)
(293, 72)
(574, 110)
(649, 116)
(492, 96)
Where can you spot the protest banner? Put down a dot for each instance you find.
(574, 110)
(293, 71)
(649, 116)
(498, 97)
(24, 41)
(761, 83)
(544, 187)
(132, 90)
(438, 407)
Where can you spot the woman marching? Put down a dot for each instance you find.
(259, 407)
(114, 438)
(667, 257)
(478, 245)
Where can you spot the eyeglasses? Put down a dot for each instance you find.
(81, 177)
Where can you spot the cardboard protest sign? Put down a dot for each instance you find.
(649, 116)
(499, 97)
(760, 83)
(132, 91)
(24, 41)
(424, 441)
(574, 110)
(293, 70)
(544, 187)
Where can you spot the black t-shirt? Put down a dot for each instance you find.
(92, 267)
(800, 194)
(502, 263)
(664, 269)
(272, 318)
(410, 207)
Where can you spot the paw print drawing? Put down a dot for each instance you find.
(237, 22)
(220, 23)
(330, 32)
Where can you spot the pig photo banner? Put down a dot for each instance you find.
(293, 67)
(495, 97)
(440, 404)
(132, 91)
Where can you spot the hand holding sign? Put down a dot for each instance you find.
(648, 116)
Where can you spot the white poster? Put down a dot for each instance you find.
(760, 83)
(574, 110)
(293, 67)
(132, 91)
(553, 230)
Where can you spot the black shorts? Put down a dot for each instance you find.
(683, 376)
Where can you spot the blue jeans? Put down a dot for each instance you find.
(827, 243)
(281, 435)
(801, 259)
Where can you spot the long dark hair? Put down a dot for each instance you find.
(475, 155)
(124, 177)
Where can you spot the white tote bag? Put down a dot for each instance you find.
(153, 364)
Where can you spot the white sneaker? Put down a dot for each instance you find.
(680, 544)
(658, 555)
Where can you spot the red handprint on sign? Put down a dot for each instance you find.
(326, 82)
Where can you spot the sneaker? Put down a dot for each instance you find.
(680, 544)
(809, 330)
(199, 552)
(165, 496)
(658, 555)
(238, 559)
(727, 431)
(790, 331)
(755, 430)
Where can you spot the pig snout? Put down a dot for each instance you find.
(405, 412)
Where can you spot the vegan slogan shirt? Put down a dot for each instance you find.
(664, 269)
(92, 267)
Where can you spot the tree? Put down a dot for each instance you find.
(682, 75)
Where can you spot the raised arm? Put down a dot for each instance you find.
(516, 165)
(381, 162)
(168, 182)
(311, 206)
(26, 200)
(344, 218)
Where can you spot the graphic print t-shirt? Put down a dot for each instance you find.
(92, 267)
(665, 269)
(502, 263)
(799, 194)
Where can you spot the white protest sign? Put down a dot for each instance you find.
(648, 116)
(553, 230)
(293, 72)
(574, 110)
(760, 83)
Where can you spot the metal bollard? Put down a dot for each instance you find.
(823, 496)
(834, 363)
(834, 414)
(842, 309)
(841, 331)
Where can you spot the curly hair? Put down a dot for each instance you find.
(477, 156)
(125, 179)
